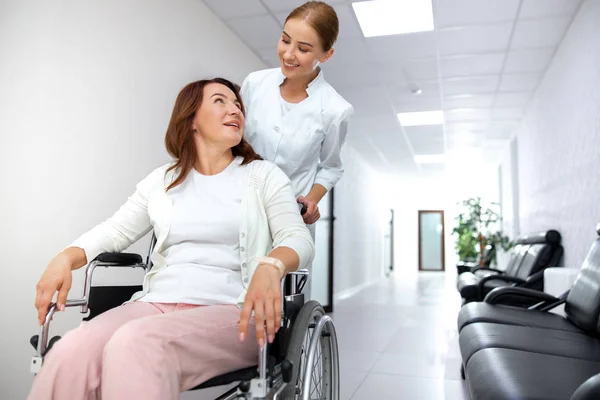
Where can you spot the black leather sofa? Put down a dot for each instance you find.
(484, 261)
(527, 261)
(533, 354)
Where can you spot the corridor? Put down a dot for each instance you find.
(398, 340)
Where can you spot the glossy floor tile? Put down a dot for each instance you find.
(398, 340)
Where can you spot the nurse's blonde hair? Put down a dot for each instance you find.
(322, 18)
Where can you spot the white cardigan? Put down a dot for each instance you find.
(270, 218)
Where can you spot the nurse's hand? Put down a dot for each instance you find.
(312, 214)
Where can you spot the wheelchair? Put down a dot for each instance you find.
(302, 363)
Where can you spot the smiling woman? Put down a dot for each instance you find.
(186, 125)
(216, 212)
(295, 118)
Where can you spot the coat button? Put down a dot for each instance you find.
(245, 279)
(243, 235)
(276, 129)
(243, 265)
(242, 248)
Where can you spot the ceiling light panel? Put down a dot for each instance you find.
(394, 17)
(421, 118)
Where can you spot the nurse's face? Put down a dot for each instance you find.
(299, 49)
(219, 119)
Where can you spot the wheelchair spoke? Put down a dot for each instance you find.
(305, 347)
(316, 387)
(318, 376)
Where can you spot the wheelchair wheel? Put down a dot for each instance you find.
(323, 376)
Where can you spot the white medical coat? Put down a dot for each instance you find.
(305, 141)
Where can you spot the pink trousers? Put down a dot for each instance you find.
(145, 351)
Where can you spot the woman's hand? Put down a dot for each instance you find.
(264, 298)
(57, 277)
(312, 214)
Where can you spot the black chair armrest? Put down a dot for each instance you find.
(507, 279)
(511, 279)
(502, 295)
(588, 390)
(471, 264)
(464, 266)
(504, 278)
(538, 276)
(488, 269)
(119, 259)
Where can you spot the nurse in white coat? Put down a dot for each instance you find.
(295, 118)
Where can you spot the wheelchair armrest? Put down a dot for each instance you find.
(503, 295)
(102, 260)
(294, 282)
(119, 259)
(40, 342)
(303, 271)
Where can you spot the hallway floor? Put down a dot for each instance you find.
(398, 340)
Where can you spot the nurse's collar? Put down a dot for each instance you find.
(313, 86)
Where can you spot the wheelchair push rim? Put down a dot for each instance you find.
(324, 382)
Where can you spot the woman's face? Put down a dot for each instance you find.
(219, 118)
(299, 49)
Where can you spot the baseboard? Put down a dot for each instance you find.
(344, 294)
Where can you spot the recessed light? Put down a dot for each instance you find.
(414, 88)
(421, 118)
(430, 158)
(394, 17)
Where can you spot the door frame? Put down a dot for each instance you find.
(443, 240)
(389, 269)
(329, 307)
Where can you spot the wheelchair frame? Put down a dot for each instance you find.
(270, 383)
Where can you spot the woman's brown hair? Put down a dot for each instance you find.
(322, 18)
(179, 138)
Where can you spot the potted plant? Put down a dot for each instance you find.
(477, 227)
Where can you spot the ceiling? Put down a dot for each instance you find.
(481, 66)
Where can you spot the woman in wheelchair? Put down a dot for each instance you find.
(227, 231)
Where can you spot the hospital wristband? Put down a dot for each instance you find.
(274, 262)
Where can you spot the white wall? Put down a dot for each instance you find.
(362, 204)
(510, 190)
(559, 142)
(86, 92)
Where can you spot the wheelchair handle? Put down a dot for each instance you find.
(303, 208)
